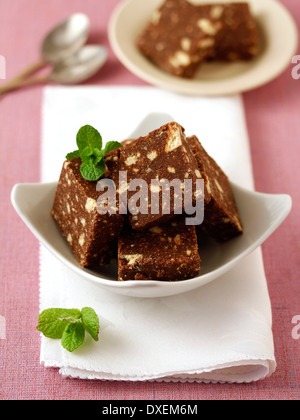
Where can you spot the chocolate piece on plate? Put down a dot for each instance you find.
(181, 35)
(173, 39)
(91, 236)
(238, 37)
(166, 252)
(221, 216)
(161, 159)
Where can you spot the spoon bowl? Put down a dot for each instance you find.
(66, 38)
(81, 66)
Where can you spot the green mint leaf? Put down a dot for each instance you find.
(73, 155)
(90, 322)
(89, 142)
(52, 322)
(86, 153)
(94, 158)
(73, 336)
(97, 155)
(110, 146)
(92, 172)
(88, 137)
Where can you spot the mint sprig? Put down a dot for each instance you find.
(69, 325)
(73, 337)
(89, 143)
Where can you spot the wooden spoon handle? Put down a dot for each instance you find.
(33, 68)
(19, 80)
(8, 87)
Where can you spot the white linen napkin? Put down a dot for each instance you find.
(221, 332)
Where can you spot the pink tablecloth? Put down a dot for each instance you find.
(273, 122)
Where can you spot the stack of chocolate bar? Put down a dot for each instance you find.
(149, 245)
(183, 35)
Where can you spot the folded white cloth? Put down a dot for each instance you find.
(221, 332)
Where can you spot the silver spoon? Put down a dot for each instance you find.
(81, 66)
(84, 64)
(66, 38)
(61, 42)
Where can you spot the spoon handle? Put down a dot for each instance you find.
(20, 78)
(21, 83)
(33, 68)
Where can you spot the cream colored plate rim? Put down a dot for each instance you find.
(279, 45)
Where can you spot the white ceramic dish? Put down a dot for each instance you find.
(261, 215)
(278, 36)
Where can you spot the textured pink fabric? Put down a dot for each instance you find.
(273, 121)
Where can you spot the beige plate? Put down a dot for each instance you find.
(279, 40)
